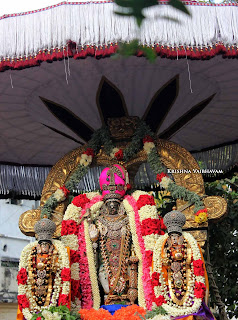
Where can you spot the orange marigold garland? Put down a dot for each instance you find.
(133, 312)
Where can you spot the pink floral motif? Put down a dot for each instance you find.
(85, 282)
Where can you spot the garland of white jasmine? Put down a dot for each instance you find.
(192, 303)
(24, 287)
(143, 137)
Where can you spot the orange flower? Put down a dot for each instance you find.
(93, 314)
(131, 312)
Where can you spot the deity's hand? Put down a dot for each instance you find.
(93, 232)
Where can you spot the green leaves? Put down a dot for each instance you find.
(177, 4)
(133, 47)
(61, 311)
(134, 8)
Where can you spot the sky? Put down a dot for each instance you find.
(16, 6)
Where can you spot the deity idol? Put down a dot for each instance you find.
(111, 238)
(182, 278)
(44, 273)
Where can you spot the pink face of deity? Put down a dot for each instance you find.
(104, 180)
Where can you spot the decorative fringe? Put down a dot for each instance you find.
(43, 35)
(193, 53)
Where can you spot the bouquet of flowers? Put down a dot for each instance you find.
(56, 313)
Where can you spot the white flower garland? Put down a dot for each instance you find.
(92, 268)
(131, 214)
(170, 307)
(63, 262)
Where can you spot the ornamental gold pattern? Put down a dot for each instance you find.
(173, 156)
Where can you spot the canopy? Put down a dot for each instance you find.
(189, 95)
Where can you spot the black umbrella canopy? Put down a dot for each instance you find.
(48, 110)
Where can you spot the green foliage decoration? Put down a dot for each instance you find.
(59, 313)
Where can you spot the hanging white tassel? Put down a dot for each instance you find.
(96, 24)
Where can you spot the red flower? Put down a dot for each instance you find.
(23, 301)
(155, 279)
(198, 267)
(199, 211)
(199, 290)
(65, 191)
(38, 318)
(160, 300)
(75, 289)
(81, 200)
(63, 300)
(89, 152)
(147, 139)
(69, 227)
(149, 226)
(145, 200)
(148, 258)
(65, 274)
(22, 276)
(128, 186)
(160, 176)
(162, 225)
(119, 154)
(74, 256)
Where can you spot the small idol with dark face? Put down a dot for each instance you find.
(112, 206)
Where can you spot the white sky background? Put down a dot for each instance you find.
(16, 6)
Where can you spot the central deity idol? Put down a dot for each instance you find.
(111, 238)
(111, 229)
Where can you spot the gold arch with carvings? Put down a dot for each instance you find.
(173, 157)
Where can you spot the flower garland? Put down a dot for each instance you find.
(61, 288)
(72, 235)
(196, 287)
(132, 312)
(142, 136)
(145, 227)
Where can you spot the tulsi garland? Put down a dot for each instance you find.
(143, 136)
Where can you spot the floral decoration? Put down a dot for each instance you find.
(22, 276)
(132, 312)
(25, 298)
(65, 275)
(198, 267)
(199, 290)
(56, 313)
(196, 285)
(201, 216)
(81, 264)
(144, 200)
(143, 135)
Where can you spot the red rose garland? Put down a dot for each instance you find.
(81, 200)
(23, 301)
(198, 266)
(69, 227)
(65, 274)
(145, 200)
(22, 276)
(199, 290)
